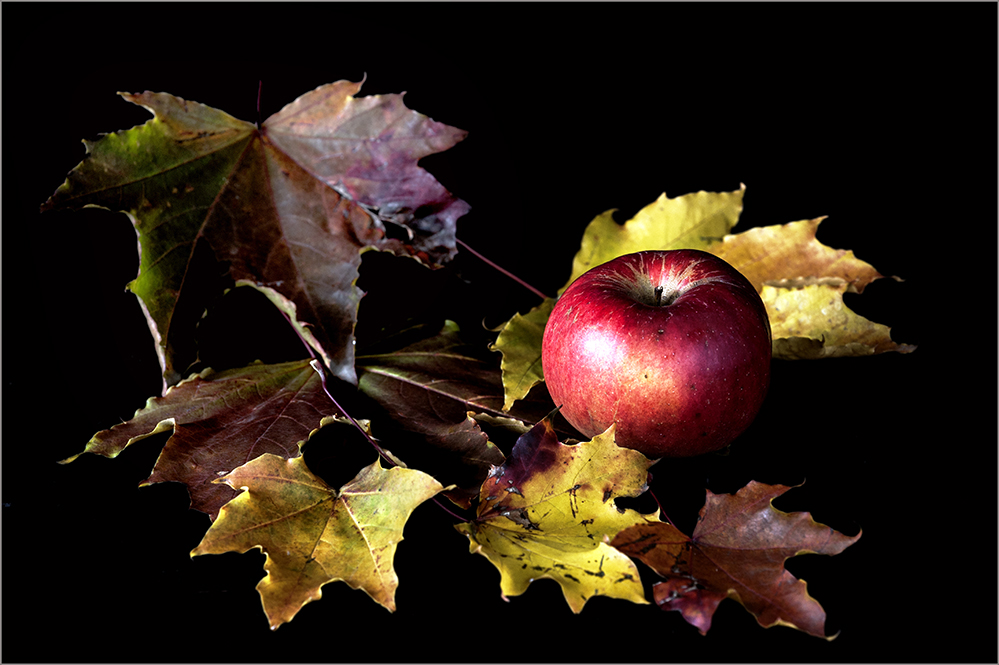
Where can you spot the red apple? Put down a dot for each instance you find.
(671, 346)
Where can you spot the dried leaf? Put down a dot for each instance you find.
(313, 534)
(440, 371)
(519, 341)
(777, 254)
(802, 283)
(368, 148)
(737, 551)
(221, 420)
(810, 321)
(549, 512)
(287, 206)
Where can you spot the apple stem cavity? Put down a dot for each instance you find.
(664, 298)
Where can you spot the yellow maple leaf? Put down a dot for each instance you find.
(313, 534)
(802, 282)
(809, 320)
(768, 254)
(549, 512)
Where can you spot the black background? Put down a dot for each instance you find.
(882, 117)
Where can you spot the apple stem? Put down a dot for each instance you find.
(659, 296)
(502, 270)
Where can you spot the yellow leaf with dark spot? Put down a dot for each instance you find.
(549, 512)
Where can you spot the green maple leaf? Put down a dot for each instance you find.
(288, 206)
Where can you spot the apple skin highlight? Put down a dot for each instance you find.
(682, 370)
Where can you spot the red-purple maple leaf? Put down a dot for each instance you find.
(737, 550)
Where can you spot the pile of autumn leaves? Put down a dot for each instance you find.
(287, 209)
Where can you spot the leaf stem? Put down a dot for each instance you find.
(317, 365)
(661, 511)
(260, 89)
(448, 511)
(502, 270)
(321, 369)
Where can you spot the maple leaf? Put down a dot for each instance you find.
(809, 320)
(313, 534)
(771, 254)
(289, 205)
(802, 283)
(737, 550)
(221, 420)
(549, 512)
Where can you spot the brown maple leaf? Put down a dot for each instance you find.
(221, 420)
(737, 551)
